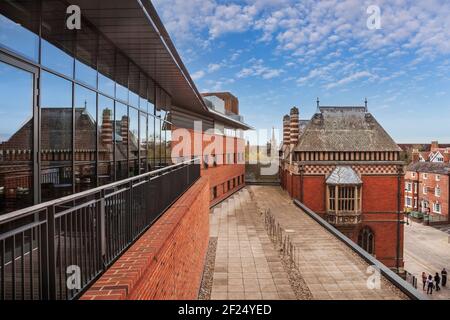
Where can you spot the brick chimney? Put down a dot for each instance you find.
(434, 146)
(124, 129)
(286, 130)
(415, 155)
(294, 129)
(107, 128)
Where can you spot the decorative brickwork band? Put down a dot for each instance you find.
(286, 130)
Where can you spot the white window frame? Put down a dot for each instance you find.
(408, 202)
(425, 190)
(425, 176)
(437, 191)
(438, 177)
(416, 187)
(415, 203)
(435, 206)
(408, 187)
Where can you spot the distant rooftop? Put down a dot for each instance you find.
(430, 167)
(350, 128)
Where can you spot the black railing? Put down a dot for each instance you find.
(56, 250)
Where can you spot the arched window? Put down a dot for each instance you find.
(366, 240)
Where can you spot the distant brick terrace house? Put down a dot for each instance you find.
(427, 189)
(344, 166)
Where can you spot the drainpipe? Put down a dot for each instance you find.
(397, 264)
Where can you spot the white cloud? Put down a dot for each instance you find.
(257, 69)
(350, 78)
(212, 67)
(198, 75)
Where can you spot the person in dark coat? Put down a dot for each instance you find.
(444, 277)
(430, 284)
(437, 280)
(424, 280)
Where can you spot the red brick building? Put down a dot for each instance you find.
(427, 189)
(343, 165)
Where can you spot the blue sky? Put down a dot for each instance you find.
(275, 54)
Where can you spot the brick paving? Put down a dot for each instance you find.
(248, 267)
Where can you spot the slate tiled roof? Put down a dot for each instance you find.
(345, 129)
(343, 175)
(429, 167)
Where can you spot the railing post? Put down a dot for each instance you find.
(51, 253)
(103, 231)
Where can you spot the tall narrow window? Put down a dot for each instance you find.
(366, 240)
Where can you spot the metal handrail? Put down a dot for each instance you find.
(15, 214)
(395, 279)
(88, 230)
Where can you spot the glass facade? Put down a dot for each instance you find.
(94, 121)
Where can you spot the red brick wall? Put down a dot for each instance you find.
(314, 193)
(430, 196)
(224, 171)
(167, 261)
(379, 204)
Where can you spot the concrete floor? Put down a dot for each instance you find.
(427, 249)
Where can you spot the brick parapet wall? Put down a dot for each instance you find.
(167, 261)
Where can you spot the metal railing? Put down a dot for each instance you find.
(56, 250)
(392, 277)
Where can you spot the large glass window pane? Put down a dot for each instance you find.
(58, 46)
(85, 138)
(143, 141)
(121, 128)
(143, 104)
(133, 141)
(105, 149)
(86, 63)
(158, 142)
(151, 142)
(106, 67)
(56, 137)
(121, 75)
(19, 25)
(16, 138)
(134, 86)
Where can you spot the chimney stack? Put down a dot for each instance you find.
(107, 128)
(415, 155)
(434, 145)
(294, 128)
(286, 130)
(124, 129)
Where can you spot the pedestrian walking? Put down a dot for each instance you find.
(437, 280)
(444, 277)
(430, 284)
(424, 280)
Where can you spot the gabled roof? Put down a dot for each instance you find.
(343, 175)
(344, 129)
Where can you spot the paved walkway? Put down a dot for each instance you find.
(247, 266)
(427, 250)
(330, 269)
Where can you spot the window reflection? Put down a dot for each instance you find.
(18, 32)
(106, 67)
(133, 142)
(157, 142)
(151, 142)
(121, 73)
(16, 138)
(85, 138)
(56, 137)
(143, 142)
(105, 149)
(86, 49)
(58, 46)
(121, 128)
